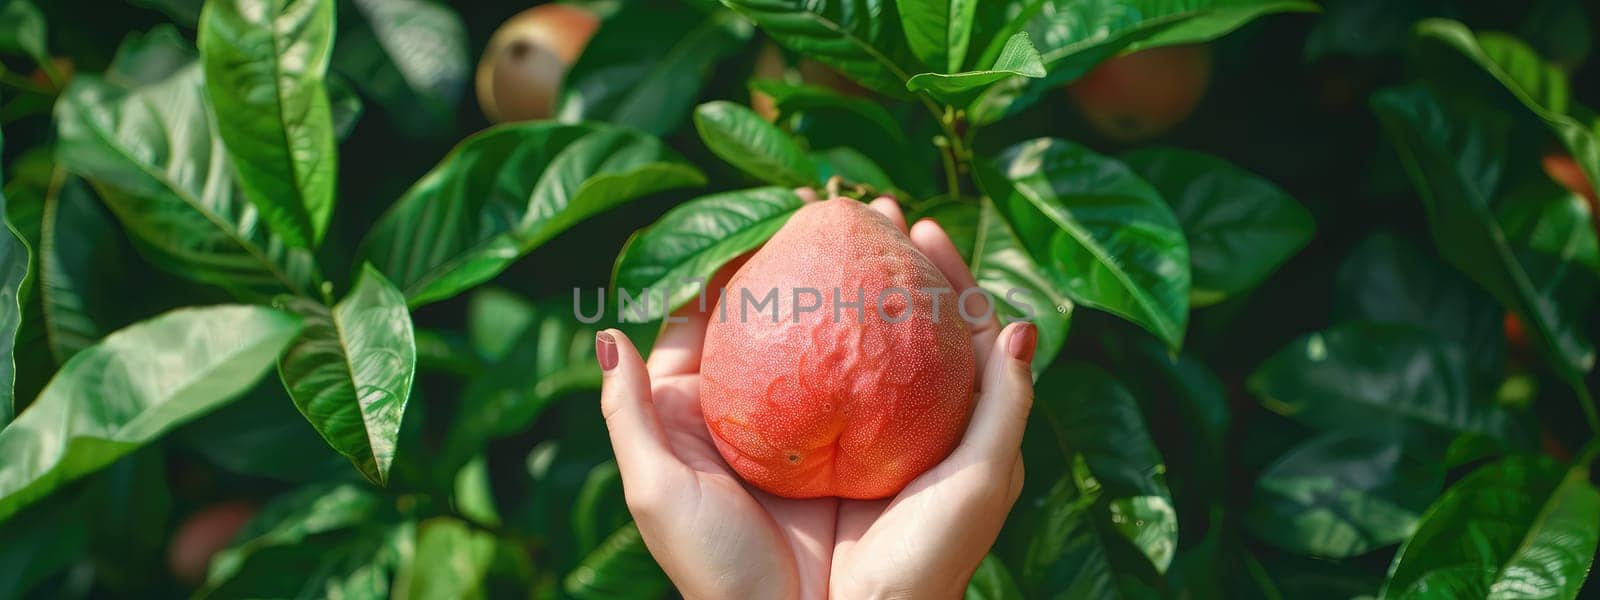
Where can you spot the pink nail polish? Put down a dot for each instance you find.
(605, 350)
(1022, 342)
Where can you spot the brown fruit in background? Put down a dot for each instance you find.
(202, 536)
(1142, 95)
(519, 77)
(804, 405)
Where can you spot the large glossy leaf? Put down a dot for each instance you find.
(14, 267)
(1538, 86)
(792, 98)
(1102, 231)
(938, 31)
(232, 437)
(1018, 59)
(620, 568)
(129, 389)
(410, 56)
(152, 153)
(504, 192)
(79, 273)
(1524, 527)
(450, 561)
(1240, 227)
(350, 371)
(645, 66)
(675, 257)
(1002, 267)
(1548, 219)
(1359, 374)
(992, 581)
(1073, 36)
(1451, 159)
(1097, 421)
(1074, 553)
(858, 37)
(1342, 493)
(266, 62)
(738, 135)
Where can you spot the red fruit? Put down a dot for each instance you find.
(812, 406)
(202, 535)
(519, 77)
(1566, 172)
(1141, 95)
(1516, 338)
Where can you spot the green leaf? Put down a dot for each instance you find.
(474, 493)
(186, 12)
(450, 561)
(1018, 59)
(938, 31)
(854, 168)
(645, 66)
(1341, 494)
(152, 153)
(738, 135)
(266, 62)
(620, 568)
(232, 437)
(319, 541)
(1073, 553)
(150, 57)
(1446, 154)
(410, 56)
(1073, 36)
(1551, 220)
(40, 542)
(676, 256)
(1358, 374)
(1097, 421)
(856, 37)
(350, 371)
(1240, 227)
(599, 507)
(81, 273)
(1023, 290)
(792, 98)
(22, 30)
(992, 581)
(129, 389)
(1101, 230)
(15, 264)
(506, 191)
(1524, 527)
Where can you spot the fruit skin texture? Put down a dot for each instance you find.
(202, 535)
(820, 408)
(519, 77)
(1141, 95)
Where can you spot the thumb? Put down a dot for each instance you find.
(1002, 410)
(637, 437)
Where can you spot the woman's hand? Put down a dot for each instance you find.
(718, 538)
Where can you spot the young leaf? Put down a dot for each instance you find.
(620, 568)
(14, 268)
(132, 387)
(1099, 228)
(506, 191)
(1451, 161)
(646, 65)
(675, 257)
(265, 66)
(1521, 527)
(450, 561)
(938, 31)
(1240, 227)
(1018, 59)
(738, 135)
(350, 371)
(410, 56)
(152, 153)
(857, 37)
(1341, 494)
(1360, 373)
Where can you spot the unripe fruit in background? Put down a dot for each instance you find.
(1142, 95)
(809, 405)
(519, 77)
(202, 536)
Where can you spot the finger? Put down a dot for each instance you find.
(934, 243)
(889, 208)
(1001, 415)
(677, 349)
(637, 437)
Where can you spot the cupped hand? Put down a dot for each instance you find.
(718, 538)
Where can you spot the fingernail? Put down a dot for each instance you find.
(1022, 342)
(605, 350)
